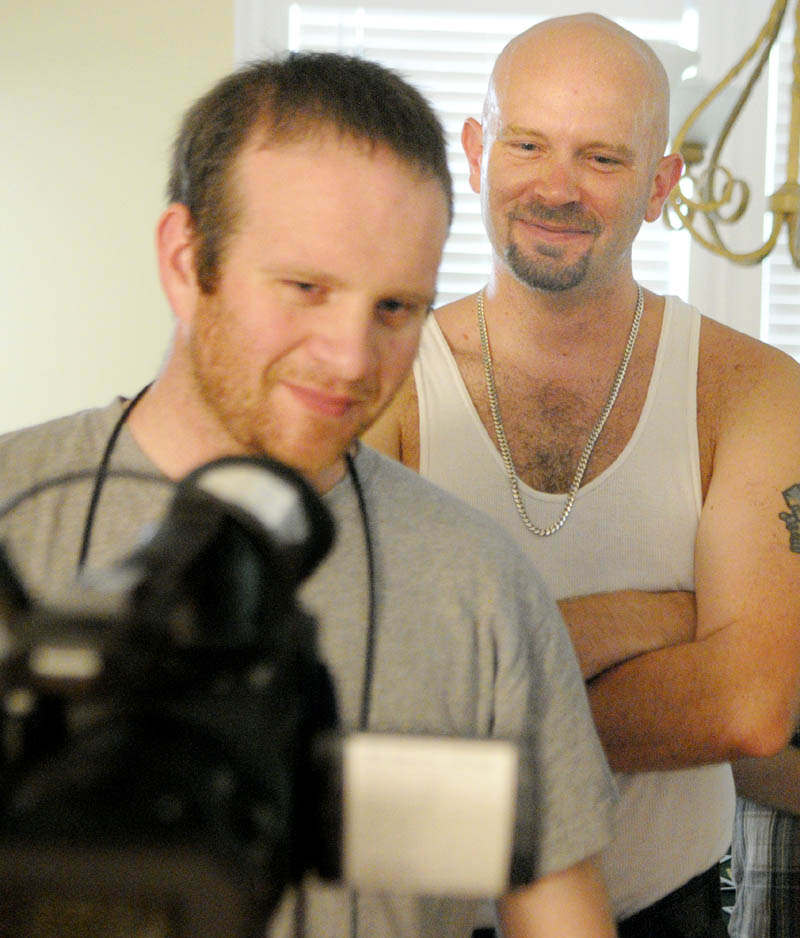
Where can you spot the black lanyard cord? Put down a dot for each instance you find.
(100, 478)
(369, 651)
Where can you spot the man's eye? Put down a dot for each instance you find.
(304, 290)
(396, 312)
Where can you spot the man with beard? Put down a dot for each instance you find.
(637, 451)
(309, 203)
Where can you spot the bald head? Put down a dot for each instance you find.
(569, 161)
(587, 47)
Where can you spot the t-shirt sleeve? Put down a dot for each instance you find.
(540, 699)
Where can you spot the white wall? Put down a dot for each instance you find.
(90, 95)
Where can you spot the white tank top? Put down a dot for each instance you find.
(631, 527)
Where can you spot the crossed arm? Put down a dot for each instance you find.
(724, 683)
(611, 628)
(608, 629)
(659, 620)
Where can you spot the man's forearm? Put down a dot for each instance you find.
(710, 700)
(650, 720)
(609, 628)
(667, 694)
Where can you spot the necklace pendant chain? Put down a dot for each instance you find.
(583, 462)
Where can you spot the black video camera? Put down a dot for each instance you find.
(163, 766)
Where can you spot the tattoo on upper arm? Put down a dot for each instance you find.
(791, 518)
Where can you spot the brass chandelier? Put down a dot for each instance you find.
(708, 196)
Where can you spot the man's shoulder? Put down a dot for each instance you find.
(452, 317)
(733, 366)
(747, 391)
(397, 431)
(57, 445)
(80, 423)
(718, 341)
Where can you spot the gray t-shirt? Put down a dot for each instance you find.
(468, 642)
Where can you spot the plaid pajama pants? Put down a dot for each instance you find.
(765, 865)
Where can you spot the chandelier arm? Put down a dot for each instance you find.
(712, 207)
(708, 211)
(769, 29)
(705, 187)
(745, 258)
(719, 198)
(770, 34)
(716, 238)
(708, 203)
(793, 152)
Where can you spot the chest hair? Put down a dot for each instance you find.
(548, 420)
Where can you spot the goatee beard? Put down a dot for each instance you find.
(541, 269)
(540, 275)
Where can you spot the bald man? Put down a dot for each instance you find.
(637, 450)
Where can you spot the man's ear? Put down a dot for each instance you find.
(472, 142)
(668, 172)
(175, 246)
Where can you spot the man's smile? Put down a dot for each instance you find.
(324, 402)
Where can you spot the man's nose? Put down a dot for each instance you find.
(343, 340)
(555, 181)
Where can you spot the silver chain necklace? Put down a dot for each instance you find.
(583, 462)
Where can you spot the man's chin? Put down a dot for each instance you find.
(546, 271)
(321, 468)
